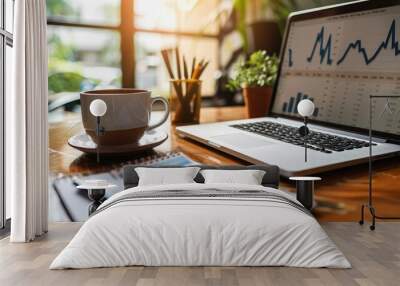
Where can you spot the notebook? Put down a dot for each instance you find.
(75, 202)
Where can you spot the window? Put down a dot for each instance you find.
(116, 43)
(195, 16)
(190, 25)
(82, 58)
(99, 12)
(6, 42)
(84, 49)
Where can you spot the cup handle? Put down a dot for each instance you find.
(165, 117)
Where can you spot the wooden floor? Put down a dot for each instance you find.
(375, 257)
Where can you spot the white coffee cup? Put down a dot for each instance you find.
(127, 117)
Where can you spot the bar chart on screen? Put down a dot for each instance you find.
(291, 105)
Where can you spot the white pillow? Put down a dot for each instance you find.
(166, 176)
(248, 177)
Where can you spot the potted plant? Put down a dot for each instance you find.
(256, 77)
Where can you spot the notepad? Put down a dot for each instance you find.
(75, 202)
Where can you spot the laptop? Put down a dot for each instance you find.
(336, 56)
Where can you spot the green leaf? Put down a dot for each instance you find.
(260, 70)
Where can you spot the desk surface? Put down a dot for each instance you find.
(339, 194)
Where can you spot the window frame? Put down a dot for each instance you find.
(127, 31)
(6, 39)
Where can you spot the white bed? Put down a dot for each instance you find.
(248, 226)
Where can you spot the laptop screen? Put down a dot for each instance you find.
(337, 61)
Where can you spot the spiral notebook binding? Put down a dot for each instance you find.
(158, 158)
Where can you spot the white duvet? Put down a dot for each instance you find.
(200, 231)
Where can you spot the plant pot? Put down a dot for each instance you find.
(257, 100)
(264, 35)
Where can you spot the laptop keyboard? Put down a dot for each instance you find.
(317, 141)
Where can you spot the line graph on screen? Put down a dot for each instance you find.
(323, 49)
(360, 48)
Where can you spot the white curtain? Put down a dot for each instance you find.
(26, 124)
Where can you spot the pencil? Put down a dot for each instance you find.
(178, 91)
(164, 54)
(203, 68)
(193, 66)
(185, 69)
(178, 63)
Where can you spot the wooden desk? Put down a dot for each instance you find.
(340, 192)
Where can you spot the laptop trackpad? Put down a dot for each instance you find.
(240, 141)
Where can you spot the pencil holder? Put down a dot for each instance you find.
(185, 101)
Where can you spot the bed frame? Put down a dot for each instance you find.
(270, 179)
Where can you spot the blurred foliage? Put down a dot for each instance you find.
(60, 50)
(260, 70)
(59, 7)
(69, 81)
(61, 58)
(241, 10)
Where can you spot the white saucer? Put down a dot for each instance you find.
(150, 139)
